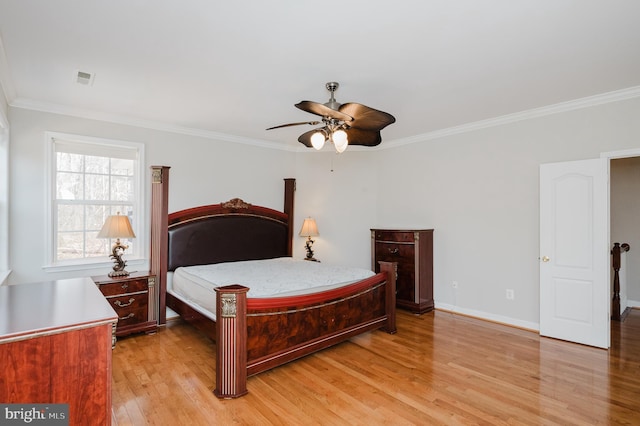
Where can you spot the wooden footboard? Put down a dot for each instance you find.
(254, 335)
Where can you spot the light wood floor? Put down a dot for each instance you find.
(439, 368)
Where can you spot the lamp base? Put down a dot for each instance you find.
(308, 245)
(117, 274)
(116, 255)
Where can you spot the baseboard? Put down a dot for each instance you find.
(513, 322)
(633, 304)
(172, 315)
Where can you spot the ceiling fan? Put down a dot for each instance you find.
(342, 124)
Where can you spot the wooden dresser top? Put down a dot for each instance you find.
(32, 310)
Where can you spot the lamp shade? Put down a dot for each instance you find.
(309, 228)
(340, 140)
(117, 226)
(317, 140)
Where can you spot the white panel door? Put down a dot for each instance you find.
(574, 252)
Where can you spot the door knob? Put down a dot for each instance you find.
(545, 258)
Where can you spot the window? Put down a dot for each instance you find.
(90, 180)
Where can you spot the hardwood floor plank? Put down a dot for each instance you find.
(440, 368)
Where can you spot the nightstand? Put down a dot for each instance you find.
(133, 299)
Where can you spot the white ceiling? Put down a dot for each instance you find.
(234, 68)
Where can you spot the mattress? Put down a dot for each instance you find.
(278, 277)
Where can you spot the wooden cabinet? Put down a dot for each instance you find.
(55, 348)
(133, 298)
(413, 250)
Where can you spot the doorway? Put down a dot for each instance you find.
(625, 227)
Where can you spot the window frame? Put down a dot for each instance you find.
(133, 257)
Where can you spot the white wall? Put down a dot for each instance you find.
(340, 191)
(478, 190)
(203, 171)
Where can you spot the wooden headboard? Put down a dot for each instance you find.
(230, 231)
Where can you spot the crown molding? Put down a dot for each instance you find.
(615, 96)
(147, 124)
(604, 98)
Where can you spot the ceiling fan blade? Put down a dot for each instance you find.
(366, 118)
(363, 137)
(323, 111)
(313, 123)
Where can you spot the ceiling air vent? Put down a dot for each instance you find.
(84, 78)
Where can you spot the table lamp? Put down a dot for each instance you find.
(309, 229)
(117, 226)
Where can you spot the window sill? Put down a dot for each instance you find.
(69, 267)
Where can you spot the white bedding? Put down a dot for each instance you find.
(279, 277)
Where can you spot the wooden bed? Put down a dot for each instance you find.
(256, 334)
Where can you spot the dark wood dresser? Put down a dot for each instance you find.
(55, 348)
(413, 250)
(133, 298)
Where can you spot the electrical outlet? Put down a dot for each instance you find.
(454, 284)
(510, 294)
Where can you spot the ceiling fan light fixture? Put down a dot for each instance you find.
(340, 141)
(362, 123)
(317, 140)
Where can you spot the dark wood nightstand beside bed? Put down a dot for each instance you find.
(133, 298)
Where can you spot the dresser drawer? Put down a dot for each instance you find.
(395, 252)
(404, 255)
(124, 287)
(398, 236)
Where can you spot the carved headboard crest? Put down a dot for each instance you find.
(236, 203)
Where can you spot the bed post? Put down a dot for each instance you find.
(160, 235)
(289, 190)
(231, 341)
(391, 268)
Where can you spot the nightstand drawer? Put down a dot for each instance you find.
(128, 301)
(124, 287)
(129, 316)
